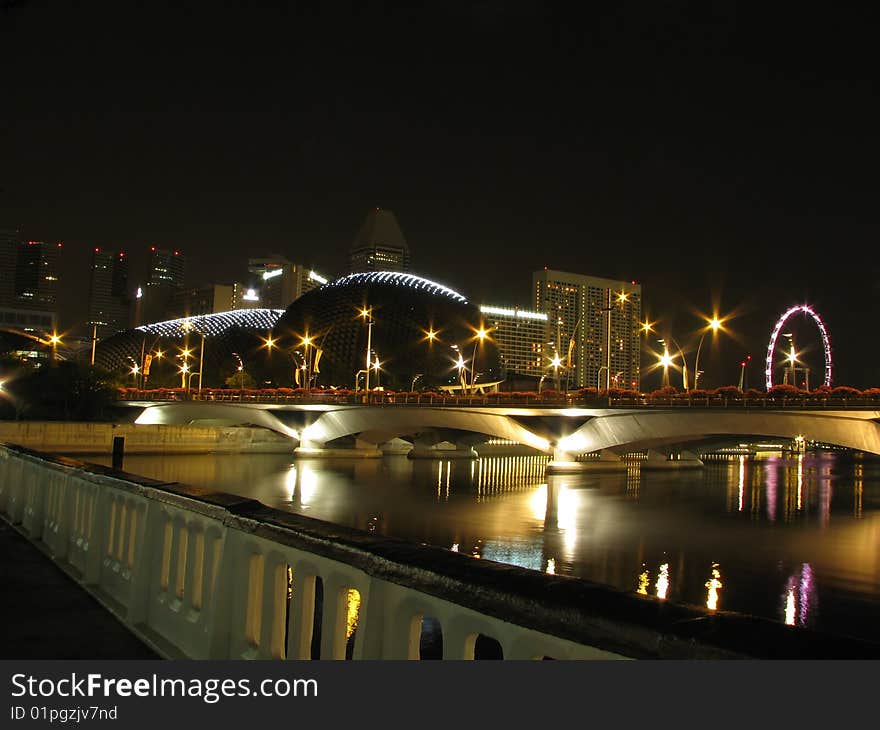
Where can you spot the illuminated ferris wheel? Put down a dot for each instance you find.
(823, 332)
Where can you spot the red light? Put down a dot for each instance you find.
(176, 253)
(97, 250)
(633, 281)
(121, 254)
(152, 248)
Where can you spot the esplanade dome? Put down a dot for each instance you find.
(230, 339)
(422, 332)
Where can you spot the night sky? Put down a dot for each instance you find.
(721, 155)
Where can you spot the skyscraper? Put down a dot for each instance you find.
(379, 245)
(28, 283)
(109, 303)
(592, 325)
(280, 281)
(9, 240)
(520, 336)
(167, 268)
(164, 278)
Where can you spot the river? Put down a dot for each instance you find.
(794, 538)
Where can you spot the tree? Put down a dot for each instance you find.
(239, 380)
(66, 390)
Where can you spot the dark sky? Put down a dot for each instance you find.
(721, 154)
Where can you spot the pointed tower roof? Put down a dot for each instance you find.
(379, 244)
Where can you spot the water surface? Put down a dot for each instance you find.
(795, 539)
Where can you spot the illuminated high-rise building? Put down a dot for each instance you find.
(379, 245)
(520, 336)
(29, 276)
(167, 268)
(109, 303)
(592, 326)
(279, 281)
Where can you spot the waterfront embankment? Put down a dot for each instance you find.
(68, 437)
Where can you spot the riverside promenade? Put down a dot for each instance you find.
(48, 615)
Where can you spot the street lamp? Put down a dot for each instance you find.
(55, 340)
(742, 371)
(376, 366)
(306, 343)
(481, 335)
(684, 366)
(240, 370)
(622, 299)
(459, 363)
(665, 361)
(556, 362)
(412, 387)
(714, 326)
(791, 358)
(367, 314)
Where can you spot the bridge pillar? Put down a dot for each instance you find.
(313, 449)
(682, 460)
(443, 450)
(564, 462)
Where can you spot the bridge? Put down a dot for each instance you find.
(576, 437)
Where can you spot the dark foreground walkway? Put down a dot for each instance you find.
(47, 615)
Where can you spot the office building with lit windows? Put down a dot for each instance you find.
(167, 268)
(379, 245)
(28, 283)
(109, 303)
(592, 325)
(520, 336)
(279, 282)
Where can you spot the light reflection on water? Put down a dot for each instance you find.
(797, 539)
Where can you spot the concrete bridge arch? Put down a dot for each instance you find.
(643, 430)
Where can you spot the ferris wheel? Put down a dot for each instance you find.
(823, 332)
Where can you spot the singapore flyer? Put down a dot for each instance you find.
(823, 332)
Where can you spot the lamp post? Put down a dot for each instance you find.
(665, 361)
(55, 340)
(306, 343)
(240, 369)
(556, 362)
(714, 326)
(481, 335)
(684, 366)
(201, 362)
(367, 314)
(376, 366)
(412, 386)
(459, 363)
(622, 298)
(792, 359)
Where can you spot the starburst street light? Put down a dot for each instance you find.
(366, 314)
(555, 362)
(713, 325)
(306, 343)
(54, 340)
(665, 362)
(481, 335)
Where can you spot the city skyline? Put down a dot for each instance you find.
(707, 154)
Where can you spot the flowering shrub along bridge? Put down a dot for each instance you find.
(779, 396)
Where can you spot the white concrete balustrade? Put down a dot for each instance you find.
(207, 575)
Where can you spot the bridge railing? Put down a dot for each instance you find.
(635, 400)
(208, 575)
